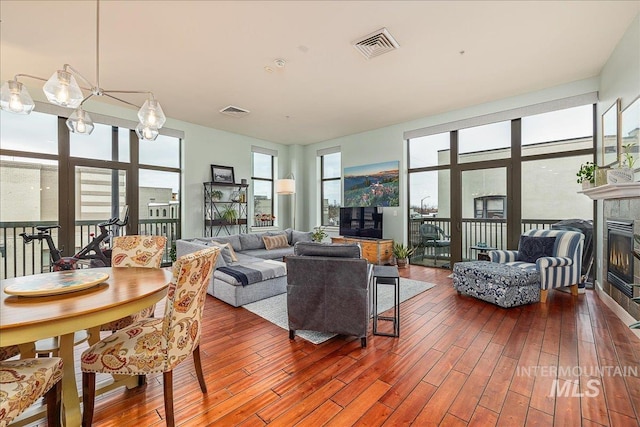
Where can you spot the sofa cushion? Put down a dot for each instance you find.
(234, 239)
(300, 236)
(289, 232)
(275, 242)
(337, 250)
(276, 254)
(532, 248)
(251, 241)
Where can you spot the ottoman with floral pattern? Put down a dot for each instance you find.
(500, 284)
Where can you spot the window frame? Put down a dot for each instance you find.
(324, 179)
(261, 179)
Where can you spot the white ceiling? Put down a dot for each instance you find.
(200, 56)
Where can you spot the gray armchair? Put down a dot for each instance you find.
(328, 290)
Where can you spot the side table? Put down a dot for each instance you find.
(386, 275)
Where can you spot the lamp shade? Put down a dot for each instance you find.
(80, 122)
(151, 114)
(15, 98)
(285, 186)
(147, 133)
(62, 89)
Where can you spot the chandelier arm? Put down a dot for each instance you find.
(105, 93)
(148, 92)
(78, 74)
(30, 76)
(86, 98)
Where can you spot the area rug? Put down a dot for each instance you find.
(274, 309)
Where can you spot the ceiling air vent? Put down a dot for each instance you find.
(376, 43)
(234, 111)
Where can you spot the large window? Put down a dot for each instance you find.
(501, 174)
(330, 192)
(262, 183)
(50, 176)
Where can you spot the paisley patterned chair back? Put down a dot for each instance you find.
(137, 251)
(185, 304)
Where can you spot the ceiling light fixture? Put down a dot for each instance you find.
(62, 89)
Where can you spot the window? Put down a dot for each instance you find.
(490, 207)
(262, 183)
(330, 191)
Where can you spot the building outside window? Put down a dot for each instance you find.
(331, 188)
(262, 180)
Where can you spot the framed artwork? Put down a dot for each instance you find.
(372, 185)
(630, 132)
(222, 174)
(611, 135)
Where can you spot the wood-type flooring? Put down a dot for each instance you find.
(458, 362)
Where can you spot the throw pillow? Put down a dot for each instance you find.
(225, 250)
(531, 248)
(274, 242)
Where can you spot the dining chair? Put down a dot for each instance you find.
(135, 251)
(156, 344)
(24, 381)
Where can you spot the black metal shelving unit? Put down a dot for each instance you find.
(234, 196)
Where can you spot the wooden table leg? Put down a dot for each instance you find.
(70, 402)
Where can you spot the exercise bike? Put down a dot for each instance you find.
(96, 251)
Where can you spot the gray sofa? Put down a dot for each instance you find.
(256, 272)
(328, 290)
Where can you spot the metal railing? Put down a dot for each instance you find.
(18, 259)
(487, 232)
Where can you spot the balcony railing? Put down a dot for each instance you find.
(490, 232)
(18, 259)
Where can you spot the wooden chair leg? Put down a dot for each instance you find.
(543, 295)
(168, 398)
(574, 290)
(54, 405)
(198, 365)
(88, 397)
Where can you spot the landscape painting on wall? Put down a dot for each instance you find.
(372, 185)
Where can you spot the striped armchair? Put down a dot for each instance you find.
(559, 270)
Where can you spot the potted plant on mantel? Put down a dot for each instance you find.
(586, 175)
(402, 254)
(625, 172)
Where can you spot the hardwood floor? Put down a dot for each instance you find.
(459, 361)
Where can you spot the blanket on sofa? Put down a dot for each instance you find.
(251, 273)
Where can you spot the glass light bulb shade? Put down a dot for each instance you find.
(62, 89)
(285, 186)
(15, 98)
(151, 114)
(80, 122)
(147, 133)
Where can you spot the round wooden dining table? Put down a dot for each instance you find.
(26, 319)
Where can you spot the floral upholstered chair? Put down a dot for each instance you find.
(157, 344)
(135, 251)
(24, 381)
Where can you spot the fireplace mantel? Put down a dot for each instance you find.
(613, 191)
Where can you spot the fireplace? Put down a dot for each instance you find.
(620, 265)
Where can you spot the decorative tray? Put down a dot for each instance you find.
(59, 282)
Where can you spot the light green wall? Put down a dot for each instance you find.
(386, 144)
(620, 78)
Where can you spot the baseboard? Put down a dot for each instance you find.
(625, 317)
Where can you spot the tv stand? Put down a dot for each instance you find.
(376, 251)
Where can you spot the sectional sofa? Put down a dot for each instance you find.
(250, 267)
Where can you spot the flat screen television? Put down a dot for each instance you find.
(365, 222)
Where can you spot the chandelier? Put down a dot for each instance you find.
(62, 89)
